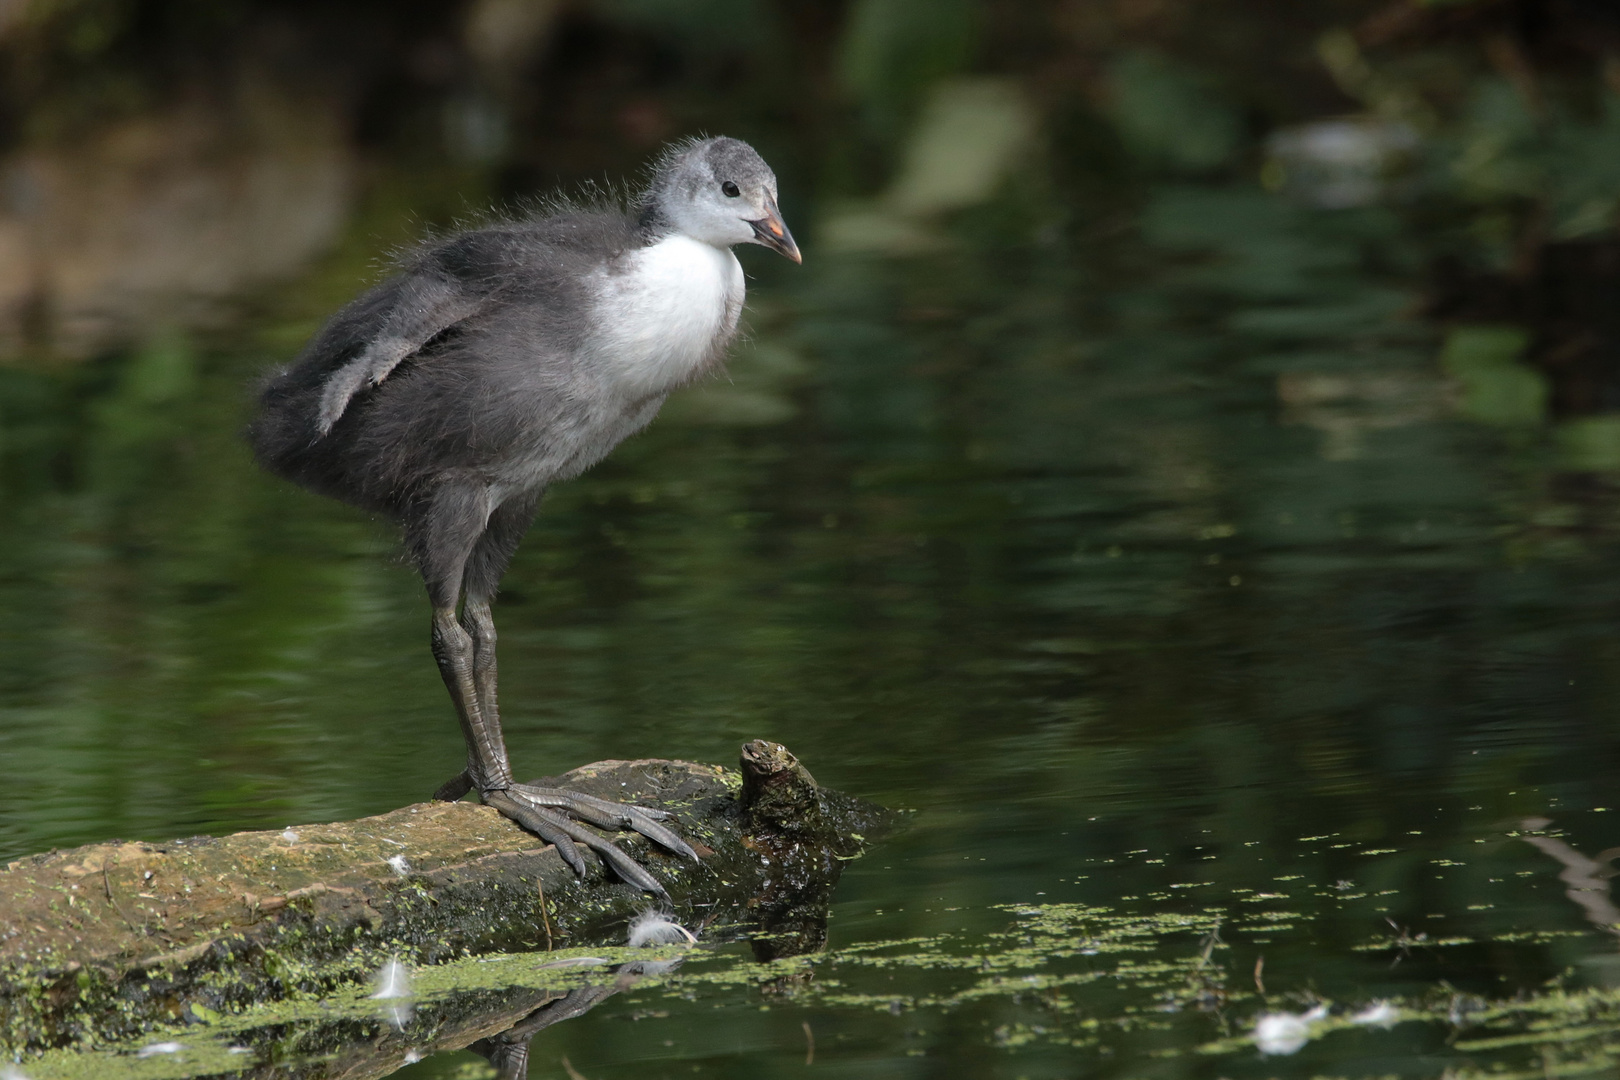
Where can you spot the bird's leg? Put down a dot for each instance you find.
(533, 807)
(443, 526)
(463, 549)
(487, 767)
(479, 623)
(509, 1051)
(485, 747)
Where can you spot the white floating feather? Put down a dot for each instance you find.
(393, 980)
(393, 989)
(655, 928)
(401, 867)
(1285, 1033)
(154, 1049)
(396, 1014)
(1378, 1014)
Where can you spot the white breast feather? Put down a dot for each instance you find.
(660, 317)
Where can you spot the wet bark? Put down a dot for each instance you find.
(103, 941)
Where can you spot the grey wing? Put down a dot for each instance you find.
(425, 307)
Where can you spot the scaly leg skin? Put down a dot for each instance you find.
(463, 548)
(466, 659)
(472, 686)
(475, 616)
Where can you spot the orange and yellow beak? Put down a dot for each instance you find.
(772, 232)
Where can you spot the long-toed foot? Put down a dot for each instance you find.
(550, 814)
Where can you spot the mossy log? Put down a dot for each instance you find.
(99, 943)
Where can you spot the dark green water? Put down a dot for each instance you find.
(1158, 570)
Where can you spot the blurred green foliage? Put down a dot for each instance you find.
(1532, 152)
(1591, 444)
(1496, 388)
(893, 50)
(1502, 150)
(1168, 116)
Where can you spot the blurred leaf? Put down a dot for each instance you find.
(1169, 117)
(968, 138)
(1496, 388)
(1585, 167)
(893, 50)
(1496, 150)
(1590, 444)
(1500, 149)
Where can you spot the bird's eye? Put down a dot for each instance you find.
(731, 190)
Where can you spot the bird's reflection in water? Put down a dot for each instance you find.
(792, 921)
(406, 1026)
(508, 1052)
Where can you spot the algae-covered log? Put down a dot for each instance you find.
(100, 942)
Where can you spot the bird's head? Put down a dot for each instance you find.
(721, 191)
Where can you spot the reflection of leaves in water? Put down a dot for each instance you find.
(1496, 388)
(892, 50)
(1503, 148)
(1168, 117)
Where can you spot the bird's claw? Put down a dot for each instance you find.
(547, 812)
(606, 814)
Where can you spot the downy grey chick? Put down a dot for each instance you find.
(496, 363)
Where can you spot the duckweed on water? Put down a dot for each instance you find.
(1055, 980)
(1064, 976)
